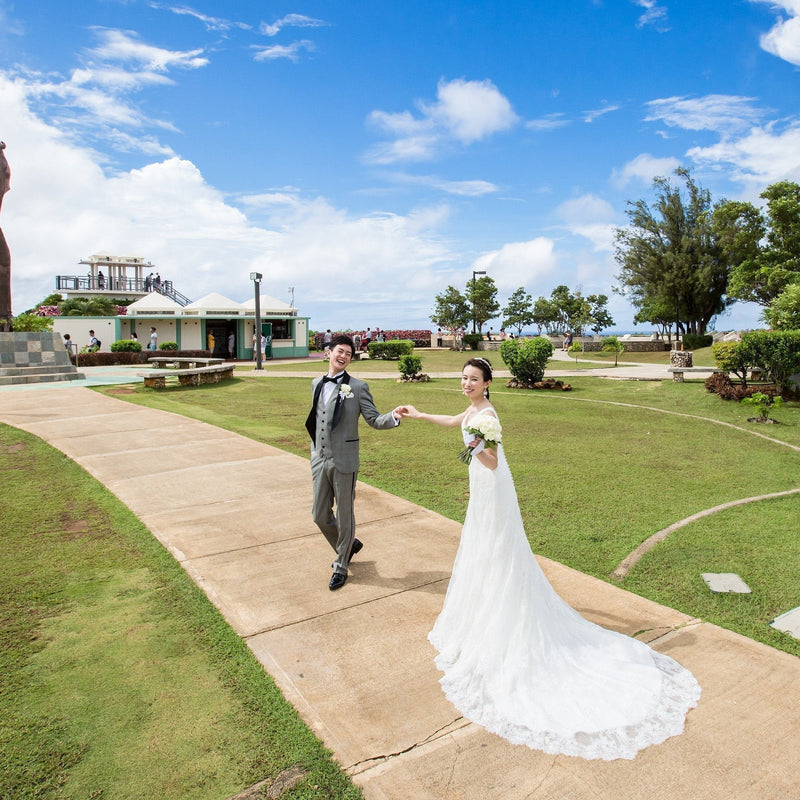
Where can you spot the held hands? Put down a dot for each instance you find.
(407, 411)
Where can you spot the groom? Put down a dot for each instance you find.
(338, 402)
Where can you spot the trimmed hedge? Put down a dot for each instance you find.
(526, 358)
(694, 341)
(111, 359)
(420, 337)
(391, 350)
(776, 352)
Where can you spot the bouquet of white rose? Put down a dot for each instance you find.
(484, 427)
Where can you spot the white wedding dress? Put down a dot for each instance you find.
(523, 664)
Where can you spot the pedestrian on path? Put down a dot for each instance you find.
(338, 401)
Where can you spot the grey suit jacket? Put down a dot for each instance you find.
(344, 422)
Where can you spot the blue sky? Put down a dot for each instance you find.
(371, 154)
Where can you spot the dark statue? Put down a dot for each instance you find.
(5, 255)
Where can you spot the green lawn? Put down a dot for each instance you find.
(118, 678)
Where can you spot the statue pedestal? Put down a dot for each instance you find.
(37, 357)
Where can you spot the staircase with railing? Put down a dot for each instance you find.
(116, 287)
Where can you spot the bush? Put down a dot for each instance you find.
(762, 404)
(391, 350)
(729, 356)
(410, 366)
(776, 352)
(721, 385)
(527, 358)
(126, 346)
(471, 340)
(694, 341)
(31, 323)
(168, 346)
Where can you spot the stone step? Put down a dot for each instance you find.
(38, 369)
(39, 377)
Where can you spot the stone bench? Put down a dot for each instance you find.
(677, 372)
(157, 378)
(182, 362)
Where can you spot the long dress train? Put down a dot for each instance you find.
(523, 664)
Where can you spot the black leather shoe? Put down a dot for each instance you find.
(356, 548)
(337, 581)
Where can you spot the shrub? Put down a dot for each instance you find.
(126, 346)
(694, 341)
(762, 403)
(730, 357)
(471, 340)
(391, 350)
(527, 358)
(410, 366)
(612, 344)
(168, 346)
(721, 385)
(31, 323)
(776, 352)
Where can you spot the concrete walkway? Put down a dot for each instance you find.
(357, 664)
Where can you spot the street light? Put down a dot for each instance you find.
(256, 278)
(474, 273)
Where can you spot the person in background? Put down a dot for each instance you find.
(153, 345)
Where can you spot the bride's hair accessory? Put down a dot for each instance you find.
(485, 361)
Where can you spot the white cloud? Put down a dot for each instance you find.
(591, 116)
(465, 112)
(529, 264)
(654, 15)
(63, 208)
(291, 21)
(125, 47)
(95, 101)
(465, 188)
(549, 122)
(291, 51)
(714, 112)
(763, 156)
(590, 217)
(644, 168)
(210, 23)
(783, 39)
(471, 110)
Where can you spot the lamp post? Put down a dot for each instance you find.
(256, 278)
(474, 273)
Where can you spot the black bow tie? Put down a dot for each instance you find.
(328, 379)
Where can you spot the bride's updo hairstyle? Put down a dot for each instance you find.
(485, 367)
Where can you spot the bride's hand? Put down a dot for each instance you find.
(410, 412)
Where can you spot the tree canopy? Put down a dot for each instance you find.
(452, 311)
(671, 256)
(482, 297)
(764, 246)
(519, 311)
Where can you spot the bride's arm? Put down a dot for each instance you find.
(488, 457)
(437, 419)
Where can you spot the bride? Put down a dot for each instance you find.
(516, 658)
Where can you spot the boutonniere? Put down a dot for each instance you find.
(345, 391)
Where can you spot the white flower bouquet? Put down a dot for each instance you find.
(484, 427)
(345, 391)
